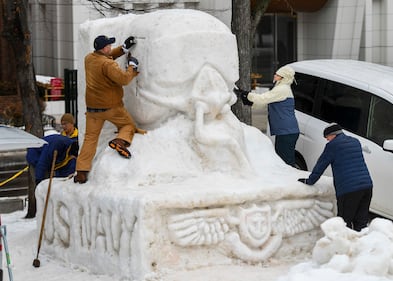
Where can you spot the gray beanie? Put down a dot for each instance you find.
(332, 129)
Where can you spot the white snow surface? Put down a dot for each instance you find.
(370, 259)
(204, 197)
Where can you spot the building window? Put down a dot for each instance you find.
(274, 45)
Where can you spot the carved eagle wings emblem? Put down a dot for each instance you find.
(253, 224)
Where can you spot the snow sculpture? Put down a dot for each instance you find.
(186, 70)
(201, 188)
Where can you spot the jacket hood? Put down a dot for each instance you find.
(287, 73)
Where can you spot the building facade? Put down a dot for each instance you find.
(351, 29)
(347, 29)
(55, 24)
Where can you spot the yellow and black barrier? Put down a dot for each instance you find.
(14, 176)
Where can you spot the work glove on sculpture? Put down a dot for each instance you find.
(133, 62)
(128, 43)
(245, 100)
(243, 96)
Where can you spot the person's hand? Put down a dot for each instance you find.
(133, 62)
(303, 181)
(128, 43)
(243, 96)
(245, 100)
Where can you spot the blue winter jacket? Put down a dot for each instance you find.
(350, 173)
(282, 119)
(41, 158)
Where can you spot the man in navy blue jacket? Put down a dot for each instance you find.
(41, 158)
(351, 177)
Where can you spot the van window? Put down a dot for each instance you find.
(304, 89)
(346, 106)
(380, 125)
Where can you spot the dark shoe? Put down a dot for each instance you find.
(81, 177)
(121, 147)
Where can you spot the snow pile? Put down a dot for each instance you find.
(366, 252)
(344, 254)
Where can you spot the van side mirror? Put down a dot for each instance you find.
(388, 145)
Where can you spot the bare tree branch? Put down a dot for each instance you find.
(257, 13)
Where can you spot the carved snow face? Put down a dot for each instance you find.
(255, 226)
(185, 63)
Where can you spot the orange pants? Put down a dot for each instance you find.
(119, 117)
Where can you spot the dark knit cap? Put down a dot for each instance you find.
(101, 41)
(332, 129)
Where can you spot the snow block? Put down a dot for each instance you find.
(180, 225)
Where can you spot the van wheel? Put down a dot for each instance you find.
(299, 162)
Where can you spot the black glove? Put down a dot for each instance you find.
(245, 100)
(128, 43)
(133, 62)
(243, 95)
(303, 181)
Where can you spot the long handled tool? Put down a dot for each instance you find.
(36, 261)
(1, 253)
(7, 253)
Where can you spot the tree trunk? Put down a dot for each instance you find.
(241, 27)
(257, 12)
(17, 33)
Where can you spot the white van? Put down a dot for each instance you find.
(359, 96)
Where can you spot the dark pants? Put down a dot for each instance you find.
(353, 207)
(285, 147)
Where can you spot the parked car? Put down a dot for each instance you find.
(359, 96)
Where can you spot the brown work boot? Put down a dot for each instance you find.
(121, 147)
(81, 176)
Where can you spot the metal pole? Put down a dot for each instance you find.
(7, 253)
(1, 254)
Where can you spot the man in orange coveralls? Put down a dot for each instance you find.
(104, 100)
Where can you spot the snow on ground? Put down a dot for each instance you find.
(370, 251)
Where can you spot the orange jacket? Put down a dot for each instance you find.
(105, 79)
